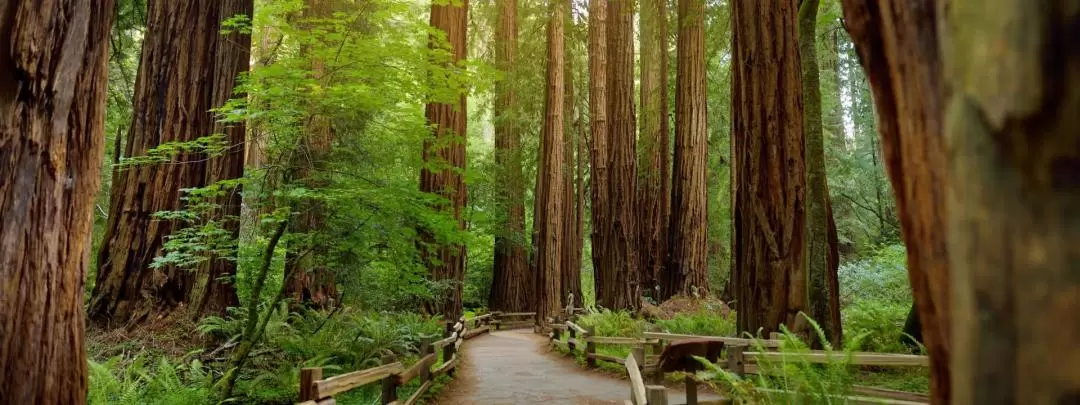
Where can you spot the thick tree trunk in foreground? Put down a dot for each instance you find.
(688, 268)
(619, 270)
(232, 58)
(511, 280)
(1013, 140)
(818, 215)
(767, 150)
(598, 136)
(53, 79)
(570, 271)
(552, 206)
(654, 190)
(172, 103)
(889, 36)
(448, 148)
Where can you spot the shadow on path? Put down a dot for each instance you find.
(514, 367)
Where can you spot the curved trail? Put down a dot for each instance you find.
(514, 367)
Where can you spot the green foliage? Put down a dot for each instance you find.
(704, 323)
(142, 380)
(876, 298)
(613, 323)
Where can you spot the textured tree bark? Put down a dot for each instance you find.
(654, 189)
(688, 269)
(818, 215)
(447, 147)
(598, 135)
(552, 206)
(53, 80)
(1012, 72)
(231, 59)
(769, 177)
(570, 270)
(619, 270)
(172, 103)
(511, 281)
(888, 35)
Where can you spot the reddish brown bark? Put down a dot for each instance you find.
(618, 272)
(888, 36)
(511, 282)
(172, 103)
(552, 210)
(447, 147)
(688, 268)
(598, 137)
(768, 173)
(52, 130)
(654, 170)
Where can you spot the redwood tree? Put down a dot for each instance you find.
(767, 174)
(570, 270)
(618, 271)
(1012, 80)
(444, 157)
(511, 281)
(174, 95)
(654, 189)
(552, 207)
(889, 35)
(688, 267)
(52, 129)
(598, 137)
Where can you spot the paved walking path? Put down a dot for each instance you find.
(515, 367)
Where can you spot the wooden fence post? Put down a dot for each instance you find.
(425, 349)
(691, 390)
(448, 350)
(590, 348)
(496, 319)
(308, 376)
(389, 384)
(571, 342)
(639, 354)
(735, 360)
(657, 395)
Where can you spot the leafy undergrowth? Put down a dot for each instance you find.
(169, 366)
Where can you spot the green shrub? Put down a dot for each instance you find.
(613, 323)
(704, 323)
(145, 381)
(876, 297)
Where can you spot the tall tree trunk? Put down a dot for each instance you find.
(447, 147)
(172, 103)
(511, 279)
(654, 191)
(818, 246)
(53, 77)
(1013, 139)
(552, 206)
(619, 271)
(599, 153)
(888, 35)
(688, 269)
(232, 59)
(571, 267)
(767, 150)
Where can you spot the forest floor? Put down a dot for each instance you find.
(517, 367)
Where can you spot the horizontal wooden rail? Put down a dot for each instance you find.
(861, 359)
(515, 314)
(575, 327)
(415, 370)
(604, 357)
(728, 341)
(615, 340)
(344, 382)
(474, 332)
(851, 399)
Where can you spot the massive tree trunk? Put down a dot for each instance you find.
(52, 113)
(552, 204)
(447, 147)
(654, 189)
(888, 36)
(688, 269)
(767, 150)
(173, 98)
(598, 137)
(231, 59)
(1013, 139)
(570, 271)
(818, 215)
(511, 280)
(619, 270)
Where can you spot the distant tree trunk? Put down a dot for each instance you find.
(511, 280)
(619, 271)
(1013, 137)
(173, 95)
(818, 215)
(767, 150)
(552, 206)
(53, 76)
(888, 36)
(232, 59)
(654, 191)
(448, 147)
(688, 268)
(571, 268)
(599, 153)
